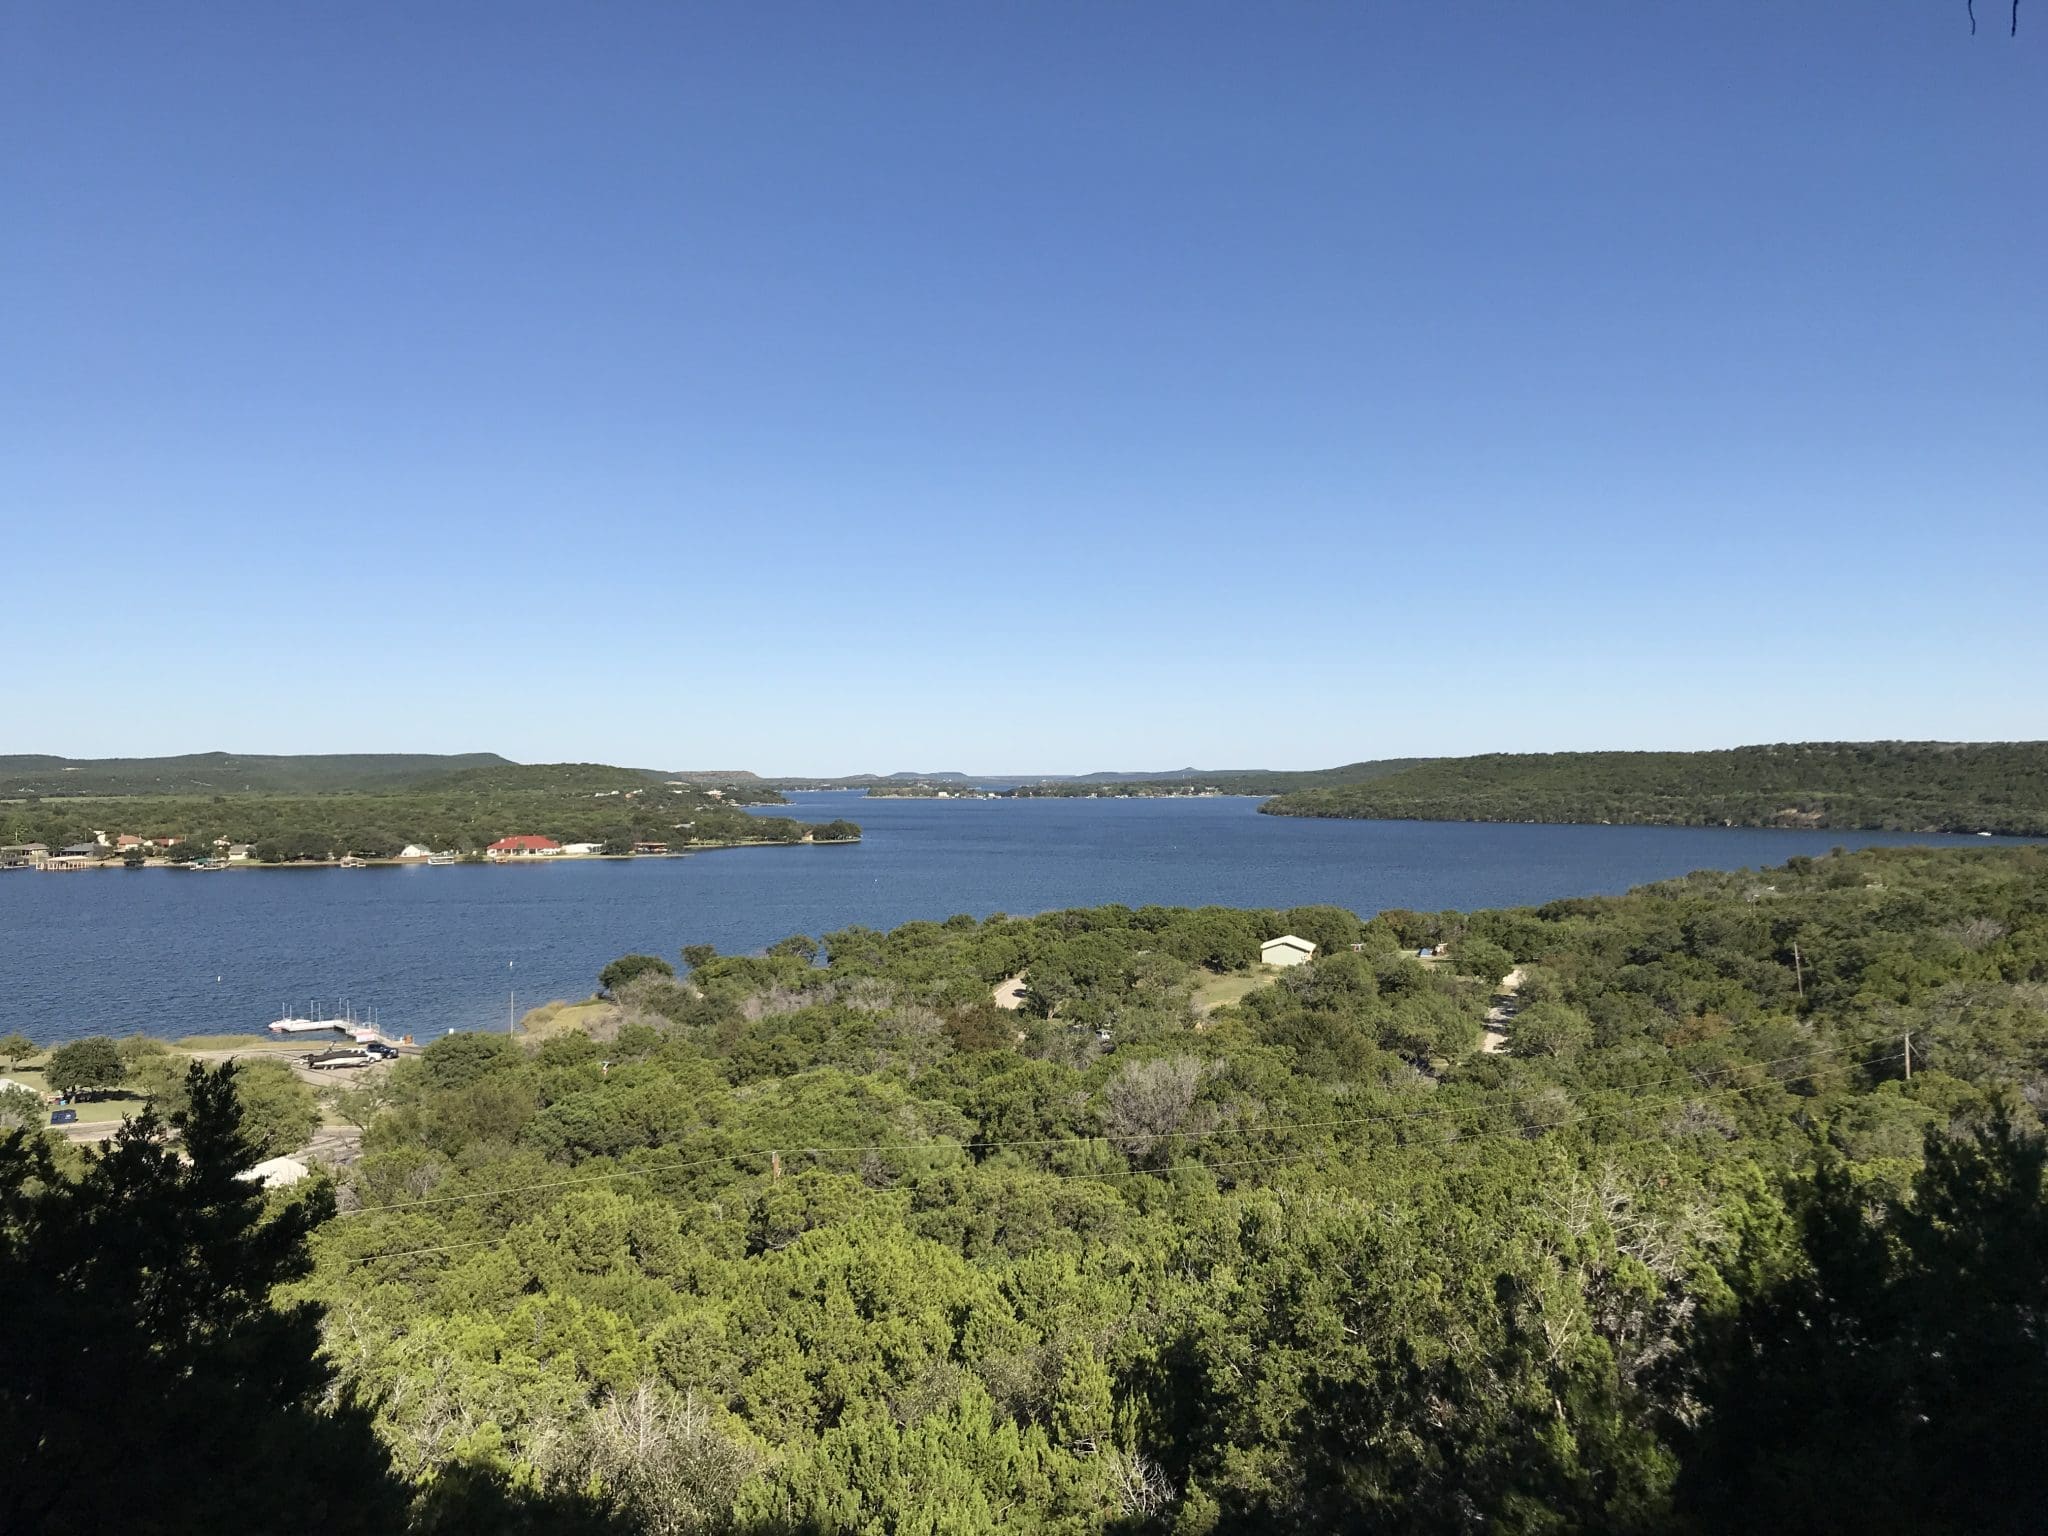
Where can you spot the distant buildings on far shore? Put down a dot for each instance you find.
(106, 852)
(525, 846)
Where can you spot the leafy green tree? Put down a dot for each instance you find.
(279, 1113)
(1549, 1029)
(1331, 929)
(630, 967)
(466, 1057)
(89, 1065)
(1219, 940)
(159, 1077)
(1481, 958)
(697, 956)
(18, 1108)
(15, 1048)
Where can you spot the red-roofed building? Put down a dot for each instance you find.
(526, 847)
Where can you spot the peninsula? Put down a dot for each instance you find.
(285, 810)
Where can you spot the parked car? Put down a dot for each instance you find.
(380, 1050)
(63, 1117)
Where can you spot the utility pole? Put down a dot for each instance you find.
(1798, 971)
(1909, 1055)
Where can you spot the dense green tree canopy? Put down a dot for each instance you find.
(1909, 786)
(851, 1248)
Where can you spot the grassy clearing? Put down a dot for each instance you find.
(331, 1117)
(561, 1017)
(111, 1106)
(1213, 992)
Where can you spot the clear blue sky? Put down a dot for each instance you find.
(1020, 386)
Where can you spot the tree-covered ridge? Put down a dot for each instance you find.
(231, 773)
(1895, 785)
(1181, 781)
(460, 812)
(849, 1248)
(1244, 782)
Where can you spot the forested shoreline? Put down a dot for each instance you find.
(462, 812)
(1743, 1230)
(1998, 787)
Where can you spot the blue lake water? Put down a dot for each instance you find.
(170, 953)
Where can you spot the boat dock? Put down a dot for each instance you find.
(360, 1031)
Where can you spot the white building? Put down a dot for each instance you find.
(415, 851)
(1286, 950)
(582, 850)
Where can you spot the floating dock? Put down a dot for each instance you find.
(307, 1026)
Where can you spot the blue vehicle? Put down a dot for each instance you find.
(63, 1117)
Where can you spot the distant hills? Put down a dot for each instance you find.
(232, 773)
(1907, 786)
(1234, 781)
(241, 773)
(1923, 786)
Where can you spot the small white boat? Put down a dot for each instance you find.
(440, 858)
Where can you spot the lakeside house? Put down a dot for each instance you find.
(415, 851)
(1288, 949)
(24, 855)
(650, 847)
(525, 846)
(582, 850)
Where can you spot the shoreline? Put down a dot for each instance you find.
(556, 858)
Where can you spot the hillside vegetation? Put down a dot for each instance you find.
(461, 812)
(1901, 786)
(230, 773)
(845, 1248)
(1245, 782)
(1229, 781)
